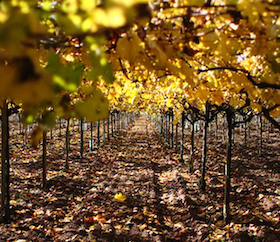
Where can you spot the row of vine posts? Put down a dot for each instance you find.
(106, 129)
(231, 119)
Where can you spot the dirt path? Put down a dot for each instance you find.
(162, 200)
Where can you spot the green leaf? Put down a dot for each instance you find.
(28, 119)
(65, 76)
(100, 68)
(94, 108)
(47, 5)
(48, 120)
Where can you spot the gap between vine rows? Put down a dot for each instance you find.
(162, 202)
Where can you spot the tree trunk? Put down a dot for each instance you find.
(245, 132)
(91, 137)
(44, 161)
(59, 127)
(169, 129)
(226, 210)
(108, 128)
(67, 144)
(5, 165)
(25, 135)
(233, 131)
(104, 132)
(121, 121)
(161, 124)
(216, 127)
(176, 137)
(202, 183)
(261, 135)
(172, 131)
(165, 127)
(19, 124)
(98, 133)
(192, 148)
(81, 139)
(115, 122)
(112, 124)
(119, 118)
(249, 129)
(223, 129)
(204, 157)
(182, 137)
(271, 128)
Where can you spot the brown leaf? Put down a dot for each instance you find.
(36, 136)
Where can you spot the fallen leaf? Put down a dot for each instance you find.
(120, 197)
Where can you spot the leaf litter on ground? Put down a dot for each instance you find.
(134, 189)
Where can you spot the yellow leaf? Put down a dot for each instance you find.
(195, 2)
(143, 226)
(36, 136)
(120, 197)
(92, 227)
(113, 17)
(100, 219)
(129, 3)
(169, 102)
(88, 5)
(118, 227)
(93, 108)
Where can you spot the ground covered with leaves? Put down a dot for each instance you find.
(134, 188)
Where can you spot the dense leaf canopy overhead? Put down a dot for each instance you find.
(140, 54)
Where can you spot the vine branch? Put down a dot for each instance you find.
(260, 85)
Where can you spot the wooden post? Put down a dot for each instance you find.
(19, 124)
(249, 129)
(25, 135)
(60, 127)
(166, 126)
(202, 183)
(261, 135)
(245, 132)
(192, 147)
(98, 133)
(44, 161)
(5, 164)
(104, 132)
(172, 130)
(91, 136)
(223, 128)
(81, 139)
(108, 128)
(226, 209)
(182, 137)
(216, 127)
(119, 118)
(176, 137)
(112, 124)
(67, 144)
(233, 131)
(161, 124)
(115, 123)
